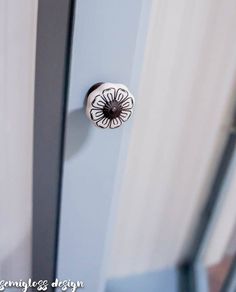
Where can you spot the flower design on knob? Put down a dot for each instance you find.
(109, 105)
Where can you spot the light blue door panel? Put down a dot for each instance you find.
(108, 45)
(158, 281)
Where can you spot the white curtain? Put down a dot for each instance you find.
(17, 70)
(180, 124)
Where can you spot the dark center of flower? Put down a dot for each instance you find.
(112, 109)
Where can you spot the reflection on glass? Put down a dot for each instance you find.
(218, 272)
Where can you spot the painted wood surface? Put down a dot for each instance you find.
(109, 38)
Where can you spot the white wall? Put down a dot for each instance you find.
(179, 126)
(17, 64)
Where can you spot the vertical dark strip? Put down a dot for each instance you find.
(185, 280)
(54, 37)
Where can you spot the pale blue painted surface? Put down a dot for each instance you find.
(107, 46)
(201, 278)
(159, 281)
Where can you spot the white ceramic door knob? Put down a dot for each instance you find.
(109, 105)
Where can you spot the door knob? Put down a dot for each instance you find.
(109, 105)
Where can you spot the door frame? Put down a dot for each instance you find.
(53, 46)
